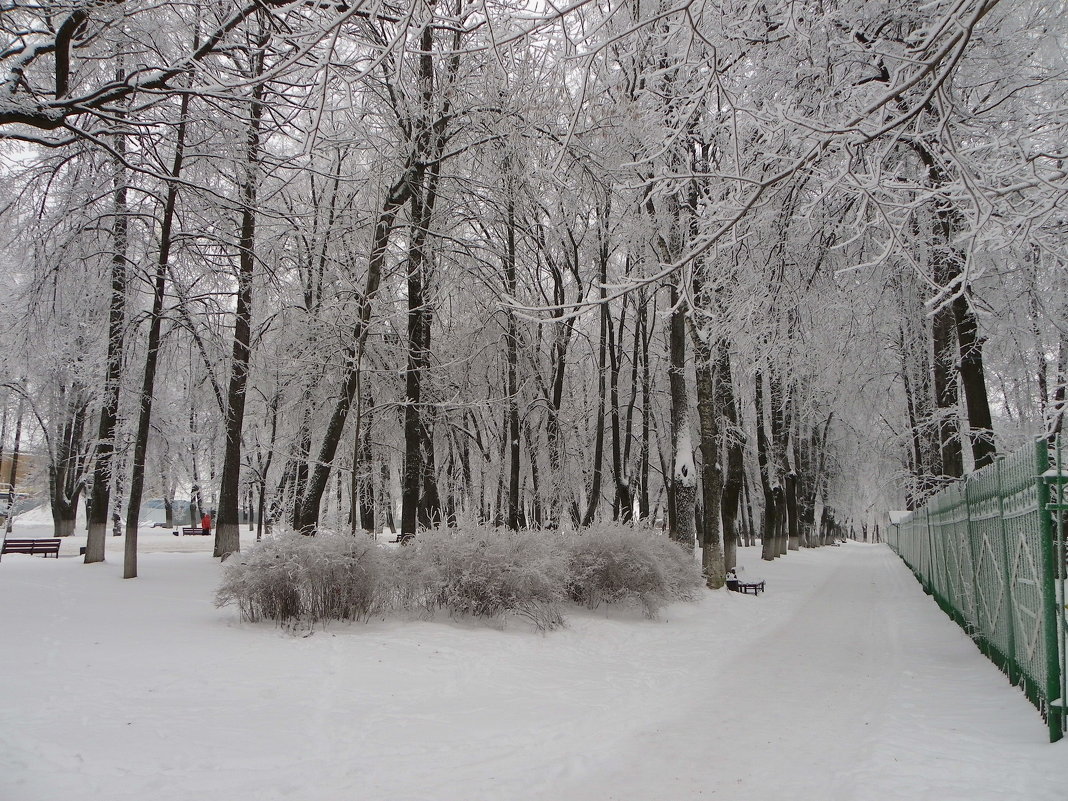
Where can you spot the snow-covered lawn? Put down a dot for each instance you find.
(842, 682)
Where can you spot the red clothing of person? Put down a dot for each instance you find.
(205, 522)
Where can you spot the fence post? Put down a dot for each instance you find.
(977, 627)
(1059, 706)
(1049, 599)
(929, 578)
(1011, 665)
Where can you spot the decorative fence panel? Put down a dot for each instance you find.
(990, 549)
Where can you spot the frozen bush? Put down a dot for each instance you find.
(485, 574)
(617, 565)
(292, 577)
(481, 573)
(682, 573)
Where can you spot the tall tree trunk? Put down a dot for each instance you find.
(684, 472)
(708, 413)
(779, 421)
(417, 359)
(624, 500)
(647, 393)
(3, 436)
(109, 408)
(13, 473)
(769, 549)
(148, 383)
(562, 332)
(1060, 390)
(228, 522)
(945, 389)
(396, 196)
(511, 354)
(973, 383)
(363, 468)
(537, 516)
(734, 444)
(602, 356)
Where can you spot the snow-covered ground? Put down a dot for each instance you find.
(842, 682)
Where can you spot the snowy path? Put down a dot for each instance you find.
(842, 683)
(849, 696)
(787, 714)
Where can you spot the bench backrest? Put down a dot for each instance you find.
(32, 542)
(30, 546)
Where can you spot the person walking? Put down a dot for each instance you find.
(205, 522)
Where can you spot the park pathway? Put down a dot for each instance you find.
(863, 691)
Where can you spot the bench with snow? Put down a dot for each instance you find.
(191, 531)
(755, 587)
(32, 547)
(735, 584)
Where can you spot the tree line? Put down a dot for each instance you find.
(738, 269)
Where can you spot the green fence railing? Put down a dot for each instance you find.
(990, 549)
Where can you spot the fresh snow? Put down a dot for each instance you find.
(843, 682)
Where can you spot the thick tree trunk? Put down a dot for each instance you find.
(945, 389)
(709, 413)
(973, 383)
(64, 517)
(684, 473)
(417, 360)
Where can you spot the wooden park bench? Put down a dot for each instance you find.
(193, 531)
(32, 547)
(735, 584)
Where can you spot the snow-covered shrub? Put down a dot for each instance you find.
(681, 572)
(617, 565)
(485, 574)
(482, 573)
(293, 577)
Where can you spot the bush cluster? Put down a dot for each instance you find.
(628, 566)
(481, 573)
(485, 574)
(291, 577)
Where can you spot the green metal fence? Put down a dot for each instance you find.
(990, 549)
